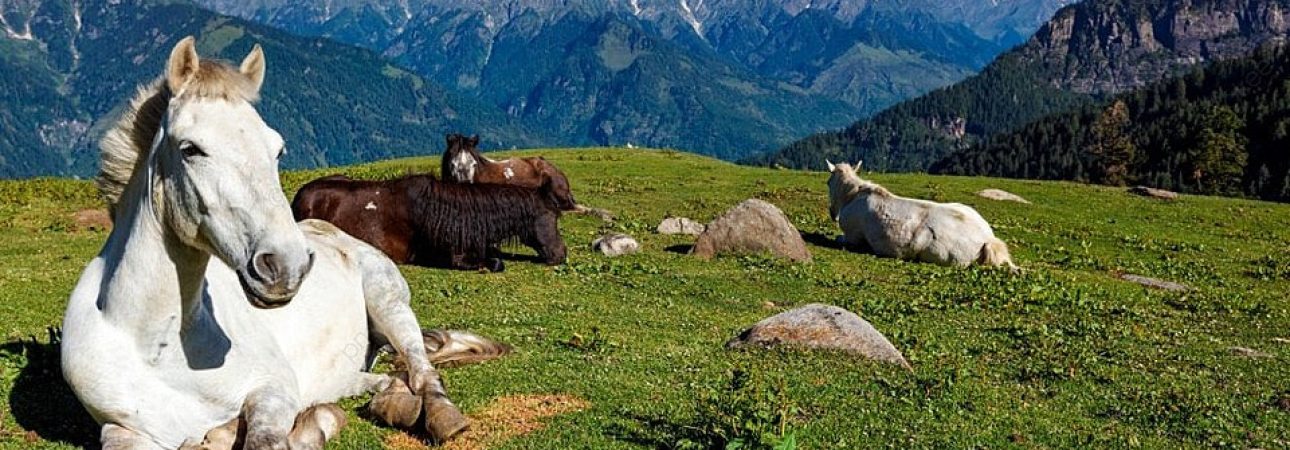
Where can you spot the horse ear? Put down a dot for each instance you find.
(831, 166)
(859, 164)
(253, 66)
(182, 65)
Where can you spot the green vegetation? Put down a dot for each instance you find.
(1219, 130)
(1062, 355)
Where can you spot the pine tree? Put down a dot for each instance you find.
(1111, 146)
(1218, 160)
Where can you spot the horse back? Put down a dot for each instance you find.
(372, 211)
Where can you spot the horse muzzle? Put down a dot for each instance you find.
(271, 281)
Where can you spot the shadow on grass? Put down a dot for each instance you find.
(827, 241)
(683, 249)
(41, 402)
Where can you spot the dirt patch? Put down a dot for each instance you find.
(504, 419)
(92, 219)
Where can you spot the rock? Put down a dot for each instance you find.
(93, 219)
(1246, 352)
(753, 226)
(616, 245)
(680, 225)
(1153, 193)
(603, 214)
(1155, 283)
(819, 326)
(1001, 195)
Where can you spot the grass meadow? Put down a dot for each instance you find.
(628, 352)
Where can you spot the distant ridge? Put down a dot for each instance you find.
(1088, 51)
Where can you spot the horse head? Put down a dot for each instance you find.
(216, 163)
(460, 158)
(556, 185)
(843, 183)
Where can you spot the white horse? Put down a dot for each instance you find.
(163, 343)
(942, 233)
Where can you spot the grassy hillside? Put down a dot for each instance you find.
(1063, 355)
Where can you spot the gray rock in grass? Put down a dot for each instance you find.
(616, 245)
(818, 326)
(680, 225)
(753, 226)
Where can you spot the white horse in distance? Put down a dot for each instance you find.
(210, 308)
(949, 234)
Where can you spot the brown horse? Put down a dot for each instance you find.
(419, 220)
(462, 163)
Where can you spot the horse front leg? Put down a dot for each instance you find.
(315, 426)
(388, 299)
(269, 413)
(116, 437)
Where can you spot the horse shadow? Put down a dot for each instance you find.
(41, 401)
(827, 241)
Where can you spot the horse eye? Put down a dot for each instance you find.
(281, 151)
(190, 149)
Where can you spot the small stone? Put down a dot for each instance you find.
(1155, 283)
(1001, 195)
(1246, 352)
(819, 326)
(769, 305)
(680, 225)
(616, 245)
(751, 227)
(1153, 193)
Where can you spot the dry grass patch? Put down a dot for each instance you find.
(504, 419)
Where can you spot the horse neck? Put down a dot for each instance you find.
(152, 283)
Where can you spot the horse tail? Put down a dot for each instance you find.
(451, 348)
(995, 253)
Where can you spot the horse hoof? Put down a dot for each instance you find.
(397, 405)
(443, 420)
(496, 265)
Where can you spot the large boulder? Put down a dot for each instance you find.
(1001, 195)
(615, 245)
(680, 225)
(753, 226)
(819, 326)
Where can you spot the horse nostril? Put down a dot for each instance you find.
(268, 267)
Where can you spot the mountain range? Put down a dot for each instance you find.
(663, 72)
(355, 80)
(1087, 53)
(65, 66)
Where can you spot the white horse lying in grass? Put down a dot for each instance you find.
(949, 234)
(184, 327)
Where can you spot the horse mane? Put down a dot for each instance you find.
(128, 142)
(476, 216)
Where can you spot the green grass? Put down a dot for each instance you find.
(1063, 355)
